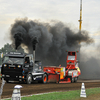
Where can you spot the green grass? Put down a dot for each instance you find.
(69, 95)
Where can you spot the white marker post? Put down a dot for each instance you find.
(1, 89)
(83, 93)
(16, 93)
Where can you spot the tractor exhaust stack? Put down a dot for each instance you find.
(34, 42)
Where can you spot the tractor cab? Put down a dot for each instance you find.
(71, 60)
(17, 66)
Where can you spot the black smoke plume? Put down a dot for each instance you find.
(18, 40)
(34, 42)
(90, 63)
(53, 40)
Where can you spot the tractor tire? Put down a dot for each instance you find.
(44, 79)
(29, 79)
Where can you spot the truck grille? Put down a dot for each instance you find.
(13, 72)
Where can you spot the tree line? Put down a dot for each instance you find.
(8, 48)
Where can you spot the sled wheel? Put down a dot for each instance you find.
(72, 80)
(75, 79)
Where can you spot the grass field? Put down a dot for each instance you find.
(69, 95)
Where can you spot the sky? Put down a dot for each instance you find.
(67, 11)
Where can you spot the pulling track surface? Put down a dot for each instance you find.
(36, 88)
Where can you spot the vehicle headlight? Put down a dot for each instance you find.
(5, 65)
(19, 66)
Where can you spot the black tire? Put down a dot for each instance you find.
(44, 80)
(72, 80)
(29, 79)
(75, 79)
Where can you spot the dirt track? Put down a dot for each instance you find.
(49, 87)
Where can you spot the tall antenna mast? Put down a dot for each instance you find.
(80, 25)
(80, 21)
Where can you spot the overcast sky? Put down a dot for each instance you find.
(67, 11)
